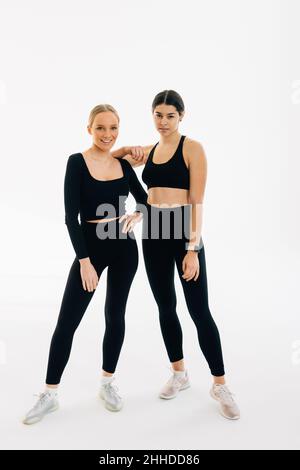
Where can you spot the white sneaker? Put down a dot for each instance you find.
(228, 407)
(174, 385)
(108, 393)
(45, 404)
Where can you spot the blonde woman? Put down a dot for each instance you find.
(96, 186)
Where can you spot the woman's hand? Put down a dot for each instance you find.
(190, 266)
(130, 221)
(89, 276)
(136, 152)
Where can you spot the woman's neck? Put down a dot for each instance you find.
(98, 155)
(171, 139)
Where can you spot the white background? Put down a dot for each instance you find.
(235, 63)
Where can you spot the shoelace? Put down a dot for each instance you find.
(42, 398)
(112, 389)
(225, 394)
(174, 380)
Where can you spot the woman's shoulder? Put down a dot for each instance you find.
(75, 160)
(125, 164)
(75, 157)
(192, 144)
(193, 149)
(75, 164)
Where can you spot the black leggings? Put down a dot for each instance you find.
(160, 255)
(120, 255)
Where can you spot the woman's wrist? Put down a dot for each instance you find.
(85, 261)
(192, 252)
(121, 152)
(192, 247)
(126, 150)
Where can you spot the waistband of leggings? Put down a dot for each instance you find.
(104, 231)
(168, 209)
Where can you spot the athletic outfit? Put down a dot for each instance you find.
(106, 246)
(165, 235)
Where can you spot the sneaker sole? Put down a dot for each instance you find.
(184, 387)
(220, 410)
(37, 419)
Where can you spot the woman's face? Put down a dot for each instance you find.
(105, 130)
(166, 119)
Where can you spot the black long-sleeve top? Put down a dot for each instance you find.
(84, 194)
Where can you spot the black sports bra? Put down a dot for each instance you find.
(171, 174)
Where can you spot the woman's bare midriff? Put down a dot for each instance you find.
(173, 197)
(101, 221)
(160, 197)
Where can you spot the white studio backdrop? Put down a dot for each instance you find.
(236, 65)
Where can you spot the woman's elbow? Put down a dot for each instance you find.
(195, 199)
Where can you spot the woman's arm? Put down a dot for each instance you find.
(72, 184)
(140, 197)
(197, 165)
(89, 277)
(136, 188)
(198, 174)
(135, 155)
(120, 153)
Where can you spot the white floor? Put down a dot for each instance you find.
(259, 328)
